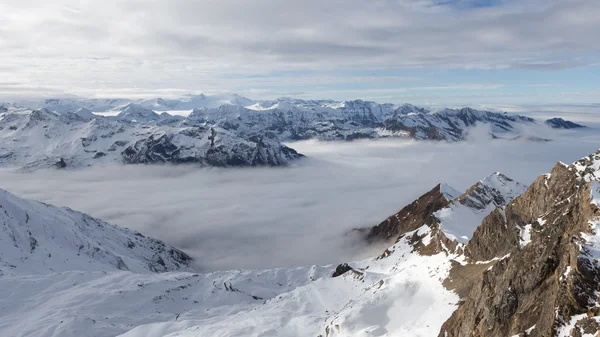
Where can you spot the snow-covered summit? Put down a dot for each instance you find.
(33, 139)
(460, 219)
(85, 113)
(135, 113)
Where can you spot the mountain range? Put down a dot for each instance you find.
(499, 259)
(223, 130)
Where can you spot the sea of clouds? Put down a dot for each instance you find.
(297, 215)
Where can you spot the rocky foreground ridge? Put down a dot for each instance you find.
(530, 266)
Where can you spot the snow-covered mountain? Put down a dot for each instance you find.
(37, 238)
(222, 130)
(325, 120)
(530, 268)
(464, 214)
(41, 138)
(559, 123)
(456, 214)
(70, 275)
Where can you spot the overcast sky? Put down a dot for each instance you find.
(420, 51)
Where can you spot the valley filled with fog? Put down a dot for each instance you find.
(229, 218)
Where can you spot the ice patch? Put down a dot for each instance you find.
(524, 235)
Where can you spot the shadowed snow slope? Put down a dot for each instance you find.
(460, 219)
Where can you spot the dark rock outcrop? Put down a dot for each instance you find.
(341, 270)
(559, 123)
(411, 217)
(61, 164)
(156, 149)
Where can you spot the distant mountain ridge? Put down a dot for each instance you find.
(222, 130)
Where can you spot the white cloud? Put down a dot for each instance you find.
(90, 46)
(269, 217)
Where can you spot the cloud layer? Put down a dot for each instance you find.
(272, 217)
(138, 47)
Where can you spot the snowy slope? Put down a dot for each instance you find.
(292, 119)
(37, 238)
(42, 138)
(304, 301)
(460, 219)
(399, 293)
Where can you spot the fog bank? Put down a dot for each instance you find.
(273, 217)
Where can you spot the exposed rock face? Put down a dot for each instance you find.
(546, 271)
(214, 148)
(136, 136)
(156, 149)
(559, 123)
(61, 164)
(532, 265)
(341, 270)
(411, 217)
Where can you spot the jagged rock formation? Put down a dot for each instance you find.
(532, 264)
(457, 215)
(411, 217)
(297, 120)
(41, 139)
(254, 130)
(546, 278)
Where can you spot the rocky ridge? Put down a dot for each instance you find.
(246, 132)
(531, 267)
(42, 138)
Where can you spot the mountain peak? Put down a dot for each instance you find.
(133, 112)
(460, 219)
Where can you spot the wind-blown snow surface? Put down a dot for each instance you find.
(300, 215)
(100, 299)
(38, 238)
